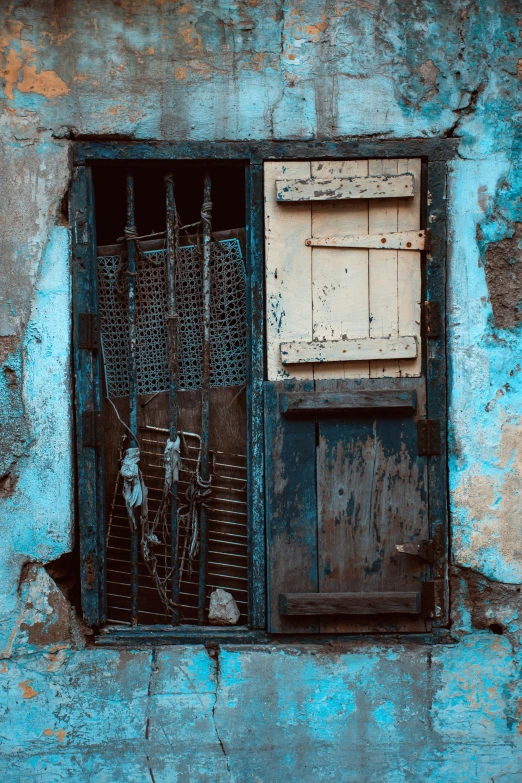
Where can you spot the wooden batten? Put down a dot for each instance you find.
(376, 186)
(350, 603)
(304, 402)
(349, 350)
(393, 240)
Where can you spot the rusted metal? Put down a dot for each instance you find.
(428, 438)
(130, 232)
(432, 319)
(172, 316)
(89, 331)
(204, 476)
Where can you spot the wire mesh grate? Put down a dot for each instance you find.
(227, 536)
(228, 319)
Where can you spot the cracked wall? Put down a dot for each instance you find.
(176, 70)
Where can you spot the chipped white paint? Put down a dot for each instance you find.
(320, 189)
(381, 348)
(396, 240)
(367, 290)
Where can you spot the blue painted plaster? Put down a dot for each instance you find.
(37, 518)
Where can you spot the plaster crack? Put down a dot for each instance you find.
(213, 651)
(153, 670)
(465, 111)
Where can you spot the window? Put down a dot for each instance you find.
(306, 458)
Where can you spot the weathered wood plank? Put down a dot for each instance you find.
(288, 265)
(254, 394)
(393, 240)
(350, 603)
(435, 149)
(340, 281)
(346, 350)
(328, 189)
(301, 402)
(291, 508)
(409, 270)
(384, 316)
(371, 497)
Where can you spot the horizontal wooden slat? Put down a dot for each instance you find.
(393, 240)
(349, 350)
(315, 189)
(349, 603)
(296, 402)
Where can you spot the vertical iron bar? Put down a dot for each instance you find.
(133, 381)
(172, 316)
(205, 395)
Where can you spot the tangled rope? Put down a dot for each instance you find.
(197, 495)
(154, 534)
(134, 489)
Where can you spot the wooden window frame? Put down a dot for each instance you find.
(435, 154)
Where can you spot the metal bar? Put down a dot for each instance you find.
(133, 379)
(172, 316)
(205, 396)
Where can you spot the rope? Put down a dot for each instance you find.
(206, 214)
(134, 489)
(197, 495)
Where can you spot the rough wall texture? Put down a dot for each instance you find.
(161, 69)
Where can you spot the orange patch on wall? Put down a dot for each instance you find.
(60, 734)
(46, 83)
(28, 692)
(258, 59)
(190, 37)
(181, 74)
(11, 72)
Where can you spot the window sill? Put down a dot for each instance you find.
(160, 635)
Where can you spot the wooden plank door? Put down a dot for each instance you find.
(346, 484)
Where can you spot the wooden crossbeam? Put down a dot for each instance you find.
(393, 240)
(303, 402)
(350, 603)
(366, 348)
(377, 186)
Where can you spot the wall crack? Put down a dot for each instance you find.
(213, 650)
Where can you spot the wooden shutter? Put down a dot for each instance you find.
(347, 496)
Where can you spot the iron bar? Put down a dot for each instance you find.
(130, 232)
(206, 211)
(172, 316)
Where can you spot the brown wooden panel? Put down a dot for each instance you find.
(350, 603)
(371, 495)
(291, 509)
(294, 402)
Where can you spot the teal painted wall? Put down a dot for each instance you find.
(159, 69)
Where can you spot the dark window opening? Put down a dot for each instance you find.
(224, 501)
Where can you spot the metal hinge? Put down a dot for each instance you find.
(89, 331)
(81, 230)
(432, 319)
(430, 550)
(428, 437)
(424, 549)
(92, 429)
(429, 603)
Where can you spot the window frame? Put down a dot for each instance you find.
(435, 154)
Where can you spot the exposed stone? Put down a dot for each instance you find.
(223, 609)
(504, 279)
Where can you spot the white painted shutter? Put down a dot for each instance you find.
(332, 300)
